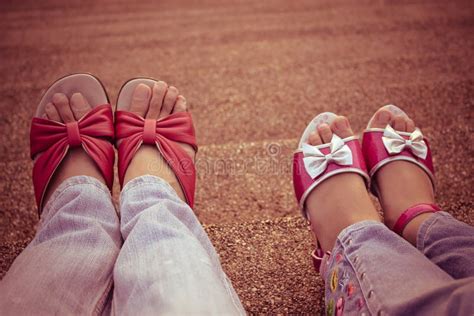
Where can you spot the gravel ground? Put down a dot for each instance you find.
(254, 72)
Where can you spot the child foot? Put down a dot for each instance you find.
(76, 162)
(156, 103)
(341, 200)
(401, 184)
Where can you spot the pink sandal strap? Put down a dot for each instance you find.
(94, 132)
(411, 213)
(132, 131)
(318, 256)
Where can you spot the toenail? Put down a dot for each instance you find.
(77, 101)
(142, 92)
(76, 95)
(58, 97)
(323, 126)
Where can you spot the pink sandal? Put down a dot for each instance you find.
(133, 130)
(382, 146)
(314, 164)
(94, 132)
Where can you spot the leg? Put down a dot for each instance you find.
(67, 268)
(371, 269)
(401, 184)
(444, 240)
(167, 264)
(448, 243)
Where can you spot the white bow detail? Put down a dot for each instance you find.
(315, 162)
(395, 144)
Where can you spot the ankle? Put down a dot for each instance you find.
(148, 161)
(328, 232)
(76, 163)
(330, 211)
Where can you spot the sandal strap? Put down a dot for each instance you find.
(410, 213)
(133, 130)
(94, 132)
(318, 256)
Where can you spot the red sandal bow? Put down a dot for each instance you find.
(133, 130)
(94, 132)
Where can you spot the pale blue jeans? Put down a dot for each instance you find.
(155, 260)
(373, 271)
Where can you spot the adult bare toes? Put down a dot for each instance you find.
(180, 105)
(156, 103)
(140, 100)
(169, 101)
(51, 112)
(79, 105)
(61, 102)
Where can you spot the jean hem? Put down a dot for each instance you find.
(147, 179)
(426, 227)
(70, 182)
(346, 232)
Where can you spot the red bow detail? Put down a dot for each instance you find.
(132, 131)
(94, 132)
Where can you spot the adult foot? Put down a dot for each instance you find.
(76, 162)
(156, 103)
(401, 184)
(341, 200)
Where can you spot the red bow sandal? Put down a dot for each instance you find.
(314, 164)
(133, 130)
(50, 140)
(382, 146)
